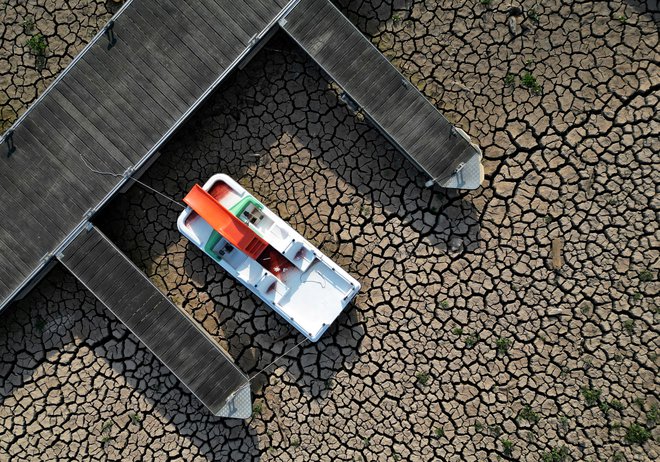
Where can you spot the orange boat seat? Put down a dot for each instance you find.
(226, 223)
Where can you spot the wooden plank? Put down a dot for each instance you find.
(25, 199)
(39, 171)
(61, 126)
(148, 309)
(75, 252)
(165, 329)
(233, 36)
(173, 80)
(177, 42)
(242, 22)
(121, 102)
(191, 360)
(130, 86)
(130, 64)
(65, 158)
(18, 260)
(261, 9)
(208, 40)
(96, 100)
(78, 123)
(313, 25)
(139, 59)
(37, 166)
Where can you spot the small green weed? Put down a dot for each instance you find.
(28, 25)
(444, 304)
(652, 416)
(591, 395)
(396, 18)
(529, 81)
(107, 425)
(645, 276)
(526, 413)
(636, 434)
(604, 407)
(471, 340)
(533, 15)
(422, 378)
(622, 18)
(295, 442)
(563, 423)
(585, 308)
(135, 418)
(439, 432)
(637, 296)
(617, 405)
(509, 80)
(556, 455)
(502, 344)
(365, 210)
(478, 426)
(257, 408)
(507, 447)
(39, 324)
(457, 331)
(618, 457)
(37, 45)
(486, 2)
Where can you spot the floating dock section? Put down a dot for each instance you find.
(171, 335)
(397, 108)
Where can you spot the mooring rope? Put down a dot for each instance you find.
(129, 177)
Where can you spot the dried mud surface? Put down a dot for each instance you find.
(467, 342)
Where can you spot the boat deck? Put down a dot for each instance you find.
(174, 338)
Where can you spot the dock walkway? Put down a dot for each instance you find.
(173, 337)
(395, 106)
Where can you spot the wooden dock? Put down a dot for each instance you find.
(110, 111)
(173, 337)
(397, 108)
(105, 116)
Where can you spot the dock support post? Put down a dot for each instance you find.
(110, 33)
(9, 139)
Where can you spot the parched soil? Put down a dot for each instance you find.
(515, 322)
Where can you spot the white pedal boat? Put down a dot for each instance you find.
(265, 254)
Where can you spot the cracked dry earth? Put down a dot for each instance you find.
(471, 338)
(39, 38)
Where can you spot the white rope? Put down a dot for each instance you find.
(119, 175)
(174, 201)
(277, 359)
